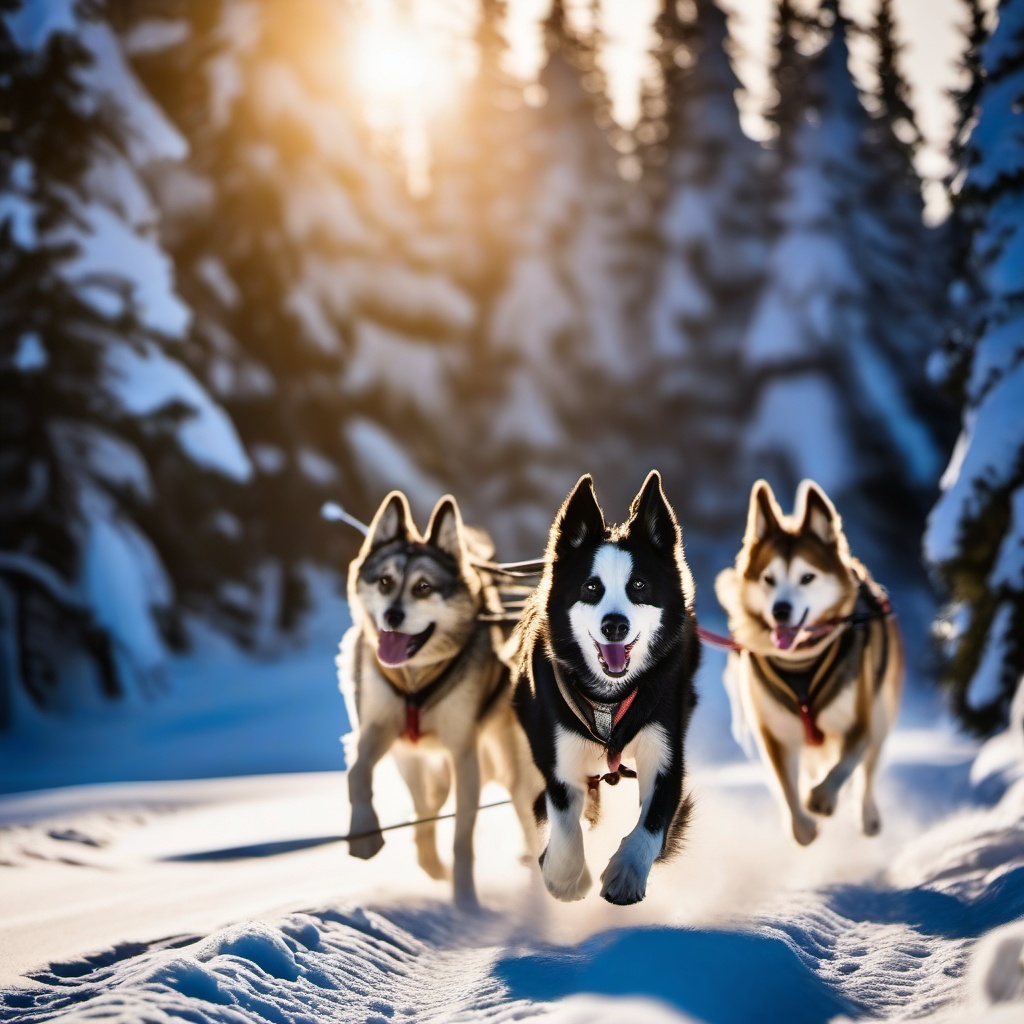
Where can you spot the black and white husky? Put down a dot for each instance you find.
(422, 680)
(603, 662)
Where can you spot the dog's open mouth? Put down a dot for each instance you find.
(784, 637)
(395, 648)
(614, 658)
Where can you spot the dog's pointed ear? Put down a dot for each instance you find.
(445, 528)
(816, 513)
(580, 519)
(392, 521)
(652, 516)
(763, 513)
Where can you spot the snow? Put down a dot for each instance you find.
(116, 269)
(35, 21)
(30, 356)
(1008, 571)
(232, 899)
(123, 583)
(20, 214)
(984, 461)
(778, 426)
(387, 465)
(154, 35)
(108, 79)
(147, 381)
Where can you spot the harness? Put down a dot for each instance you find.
(804, 690)
(417, 701)
(601, 721)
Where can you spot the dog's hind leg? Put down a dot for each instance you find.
(785, 762)
(428, 779)
(871, 820)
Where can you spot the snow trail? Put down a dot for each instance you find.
(849, 927)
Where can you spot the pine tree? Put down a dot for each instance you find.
(95, 404)
(327, 322)
(832, 385)
(557, 323)
(712, 233)
(949, 364)
(975, 536)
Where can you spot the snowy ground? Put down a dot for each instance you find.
(231, 899)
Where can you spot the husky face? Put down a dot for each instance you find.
(613, 592)
(417, 602)
(797, 571)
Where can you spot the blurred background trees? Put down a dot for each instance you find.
(247, 266)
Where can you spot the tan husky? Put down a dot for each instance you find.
(819, 669)
(422, 681)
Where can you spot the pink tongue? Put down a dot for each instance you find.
(783, 636)
(392, 647)
(614, 656)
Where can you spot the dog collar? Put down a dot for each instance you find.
(600, 720)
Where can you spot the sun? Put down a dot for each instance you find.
(403, 78)
(391, 68)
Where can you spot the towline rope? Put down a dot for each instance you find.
(415, 821)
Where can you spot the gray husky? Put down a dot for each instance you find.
(422, 681)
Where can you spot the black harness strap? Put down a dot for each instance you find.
(800, 690)
(416, 701)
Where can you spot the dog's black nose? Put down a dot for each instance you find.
(782, 610)
(394, 617)
(615, 627)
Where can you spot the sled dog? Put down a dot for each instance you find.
(422, 680)
(819, 669)
(603, 662)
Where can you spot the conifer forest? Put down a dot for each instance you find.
(240, 278)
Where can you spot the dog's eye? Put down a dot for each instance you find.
(386, 584)
(592, 590)
(769, 579)
(422, 589)
(638, 586)
(808, 577)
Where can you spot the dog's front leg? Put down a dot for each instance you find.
(563, 864)
(660, 777)
(467, 801)
(785, 762)
(374, 742)
(822, 799)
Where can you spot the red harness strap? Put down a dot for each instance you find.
(717, 640)
(812, 734)
(412, 723)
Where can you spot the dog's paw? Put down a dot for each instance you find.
(367, 841)
(367, 846)
(822, 800)
(871, 821)
(805, 830)
(565, 885)
(435, 867)
(466, 901)
(623, 882)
